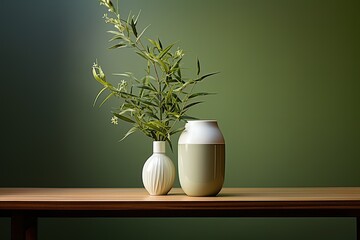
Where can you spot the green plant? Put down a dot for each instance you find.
(154, 103)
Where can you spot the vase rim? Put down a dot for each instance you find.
(202, 121)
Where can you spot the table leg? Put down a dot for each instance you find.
(358, 228)
(23, 227)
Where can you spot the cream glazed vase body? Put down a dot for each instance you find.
(158, 173)
(201, 158)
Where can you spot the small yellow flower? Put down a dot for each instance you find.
(179, 53)
(114, 120)
(122, 86)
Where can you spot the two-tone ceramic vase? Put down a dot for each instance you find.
(201, 158)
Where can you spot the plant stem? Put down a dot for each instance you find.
(186, 98)
(159, 91)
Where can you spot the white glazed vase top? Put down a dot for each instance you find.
(201, 159)
(158, 173)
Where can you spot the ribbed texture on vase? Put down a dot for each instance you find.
(158, 174)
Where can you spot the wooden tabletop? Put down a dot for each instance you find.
(230, 201)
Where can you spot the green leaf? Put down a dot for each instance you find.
(120, 45)
(97, 77)
(111, 94)
(170, 144)
(185, 117)
(163, 52)
(137, 17)
(122, 74)
(126, 119)
(117, 37)
(98, 95)
(111, 6)
(152, 42)
(150, 114)
(143, 55)
(198, 67)
(151, 77)
(126, 110)
(147, 88)
(176, 131)
(200, 94)
(160, 45)
(175, 114)
(131, 131)
(183, 86)
(175, 66)
(162, 64)
(133, 27)
(128, 18)
(138, 38)
(129, 94)
(191, 105)
(158, 126)
(147, 102)
(205, 76)
(176, 97)
(127, 105)
(155, 128)
(152, 85)
(114, 32)
(156, 44)
(180, 76)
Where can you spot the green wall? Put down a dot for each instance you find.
(287, 103)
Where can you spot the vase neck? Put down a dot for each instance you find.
(159, 147)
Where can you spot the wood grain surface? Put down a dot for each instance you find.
(252, 201)
(139, 194)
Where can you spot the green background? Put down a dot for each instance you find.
(287, 103)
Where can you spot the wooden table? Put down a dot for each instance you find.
(26, 205)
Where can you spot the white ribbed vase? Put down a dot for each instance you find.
(158, 173)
